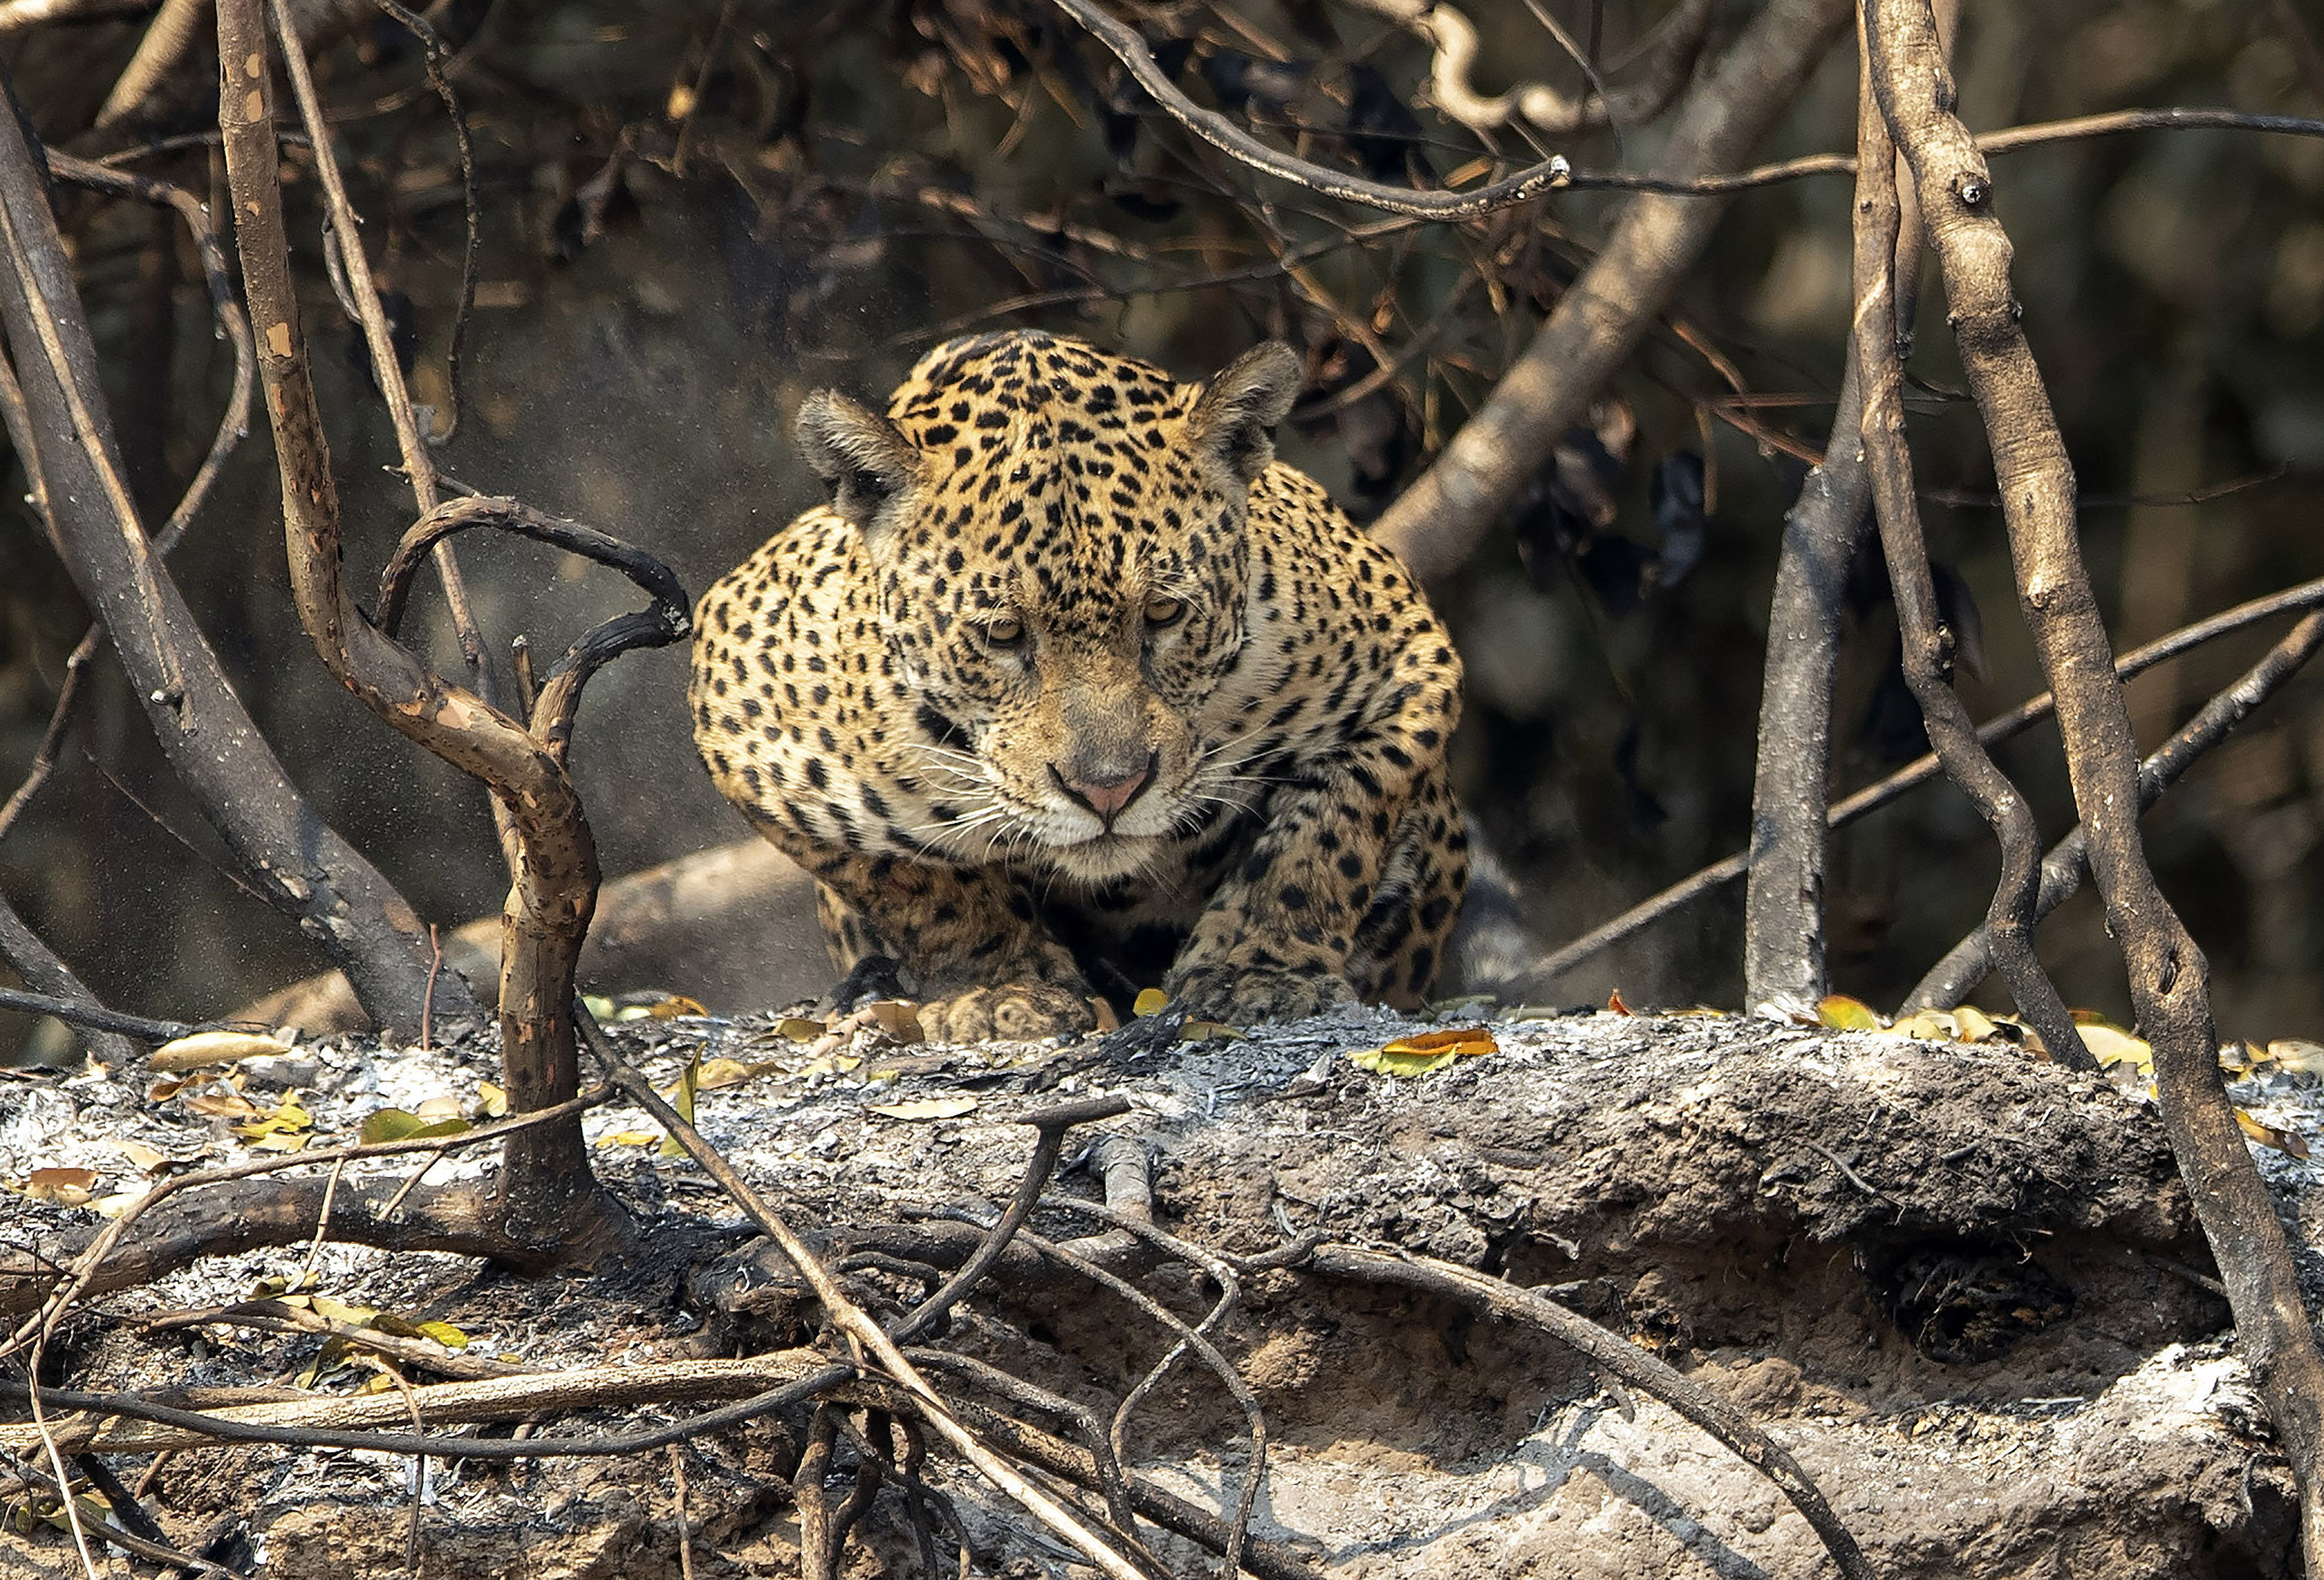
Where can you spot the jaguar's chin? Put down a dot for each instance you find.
(1105, 856)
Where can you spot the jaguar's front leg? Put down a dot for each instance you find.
(967, 941)
(1296, 929)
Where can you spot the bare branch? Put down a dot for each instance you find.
(1927, 644)
(304, 868)
(2169, 976)
(1602, 315)
(1957, 975)
(1911, 776)
(1223, 134)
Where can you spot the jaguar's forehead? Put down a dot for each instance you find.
(1057, 473)
(1027, 373)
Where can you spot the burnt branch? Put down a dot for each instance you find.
(1928, 644)
(2169, 976)
(1442, 517)
(300, 865)
(1967, 964)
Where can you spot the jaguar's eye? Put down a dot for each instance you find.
(1006, 631)
(1164, 611)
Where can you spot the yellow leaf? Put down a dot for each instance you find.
(2298, 1056)
(689, 1081)
(346, 1311)
(924, 1108)
(2284, 1141)
(440, 1108)
(2110, 1044)
(675, 1005)
(281, 1141)
(206, 1048)
(1149, 1001)
(799, 1029)
(681, 101)
(1843, 1014)
(599, 1006)
(1195, 1030)
(629, 1138)
(1973, 1025)
(717, 1073)
(1382, 1062)
(492, 1099)
(1615, 1006)
(445, 1334)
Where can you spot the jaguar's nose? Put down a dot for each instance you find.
(1105, 794)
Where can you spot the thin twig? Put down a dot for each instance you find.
(2063, 869)
(852, 1320)
(432, 48)
(1912, 776)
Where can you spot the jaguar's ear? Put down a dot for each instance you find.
(858, 454)
(1235, 417)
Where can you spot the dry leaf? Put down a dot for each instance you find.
(145, 1157)
(1467, 1041)
(491, 1099)
(206, 1048)
(1615, 1006)
(672, 1007)
(2284, 1141)
(226, 1105)
(899, 1020)
(1107, 1021)
(397, 1124)
(65, 1187)
(1195, 1030)
(924, 1108)
(440, 1108)
(629, 1137)
(689, 1081)
(1149, 1001)
(799, 1029)
(2298, 1056)
(2110, 1044)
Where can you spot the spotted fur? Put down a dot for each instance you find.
(1073, 689)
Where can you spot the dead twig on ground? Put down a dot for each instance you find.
(2169, 976)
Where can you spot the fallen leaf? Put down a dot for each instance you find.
(346, 1311)
(1195, 1030)
(673, 1006)
(397, 1124)
(1383, 1062)
(2298, 1056)
(2290, 1142)
(717, 1073)
(1843, 1014)
(227, 1104)
(491, 1099)
(440, 1108)
(899, 1020)
(206, 1048)
(1615, 1006)
(689, 1081)
(281, 1141)
(1107, 1021)
(1149, 1001)
(629, 1138)
(799, 1029)
(924, 1108)
(145, 1157)
(2110, 1044)
(65, 1187)
(1974, 1024)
